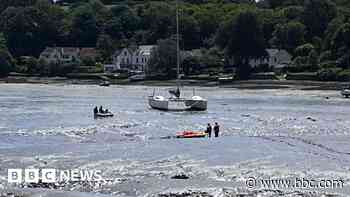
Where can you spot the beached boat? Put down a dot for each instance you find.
(140, 77)
(346, 92)
(191, 134)
(105, 84)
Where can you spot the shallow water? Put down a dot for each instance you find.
(265, 134)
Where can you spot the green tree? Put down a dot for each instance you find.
(84, 27)
(2, 41)
(208, 18)
(159, 19)
(20, 28)
(212, 58)
(163, 58)
(341, 40)
(288, 36)
(304, 50)
(28, 30)
(50, 22)
(190, 65)
(6, 63)
(317, 15)
(189, 30)
(105, 46)
(243, 40)
(4, 4)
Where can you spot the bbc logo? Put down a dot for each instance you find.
(31, 175)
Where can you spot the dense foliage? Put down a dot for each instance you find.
(315, 32)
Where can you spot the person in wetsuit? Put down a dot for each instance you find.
(101, 110)
(216, 129)
(95, 110)
(209, 129)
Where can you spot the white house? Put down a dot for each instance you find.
(276, 58)
(132, 59)
(122, 58)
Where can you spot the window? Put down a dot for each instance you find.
(125, 53)
(275, 59)
(137, 60)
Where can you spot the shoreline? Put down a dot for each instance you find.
(246, 84)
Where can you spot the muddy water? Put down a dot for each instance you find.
(266, 134)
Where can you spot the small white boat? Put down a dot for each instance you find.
(105, 84)
(103, 115)
(346, 93)
(141, 77)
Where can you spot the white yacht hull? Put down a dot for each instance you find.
(197, 105)
(158, 104)
(177, 104)
(346, 93)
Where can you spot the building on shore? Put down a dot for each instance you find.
(63, 55)
(132, 58)
(276, 59)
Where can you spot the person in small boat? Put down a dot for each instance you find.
(101, 110)
(208, 131)
(106, 111)
(216, 129)
(96, 110)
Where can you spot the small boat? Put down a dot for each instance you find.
(103, 115)
(105, 84)
(346, 92)
(191, 134)
(140, 77)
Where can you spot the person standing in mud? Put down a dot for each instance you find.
(95, 110)
(216, 129)
(208, 131)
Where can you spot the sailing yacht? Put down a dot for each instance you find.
(175, 102)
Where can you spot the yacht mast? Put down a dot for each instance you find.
(177, 44)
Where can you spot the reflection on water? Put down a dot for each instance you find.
(265, 133)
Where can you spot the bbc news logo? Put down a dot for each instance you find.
(52, 175)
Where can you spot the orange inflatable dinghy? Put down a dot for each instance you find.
(191, 134)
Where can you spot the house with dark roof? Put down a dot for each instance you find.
(60, 55)
(67, 54)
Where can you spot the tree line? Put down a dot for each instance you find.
(315, 32)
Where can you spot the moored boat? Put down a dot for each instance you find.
(346, 92)
(176, 102)
(105, 84)
(195, 103)
(103, 115)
